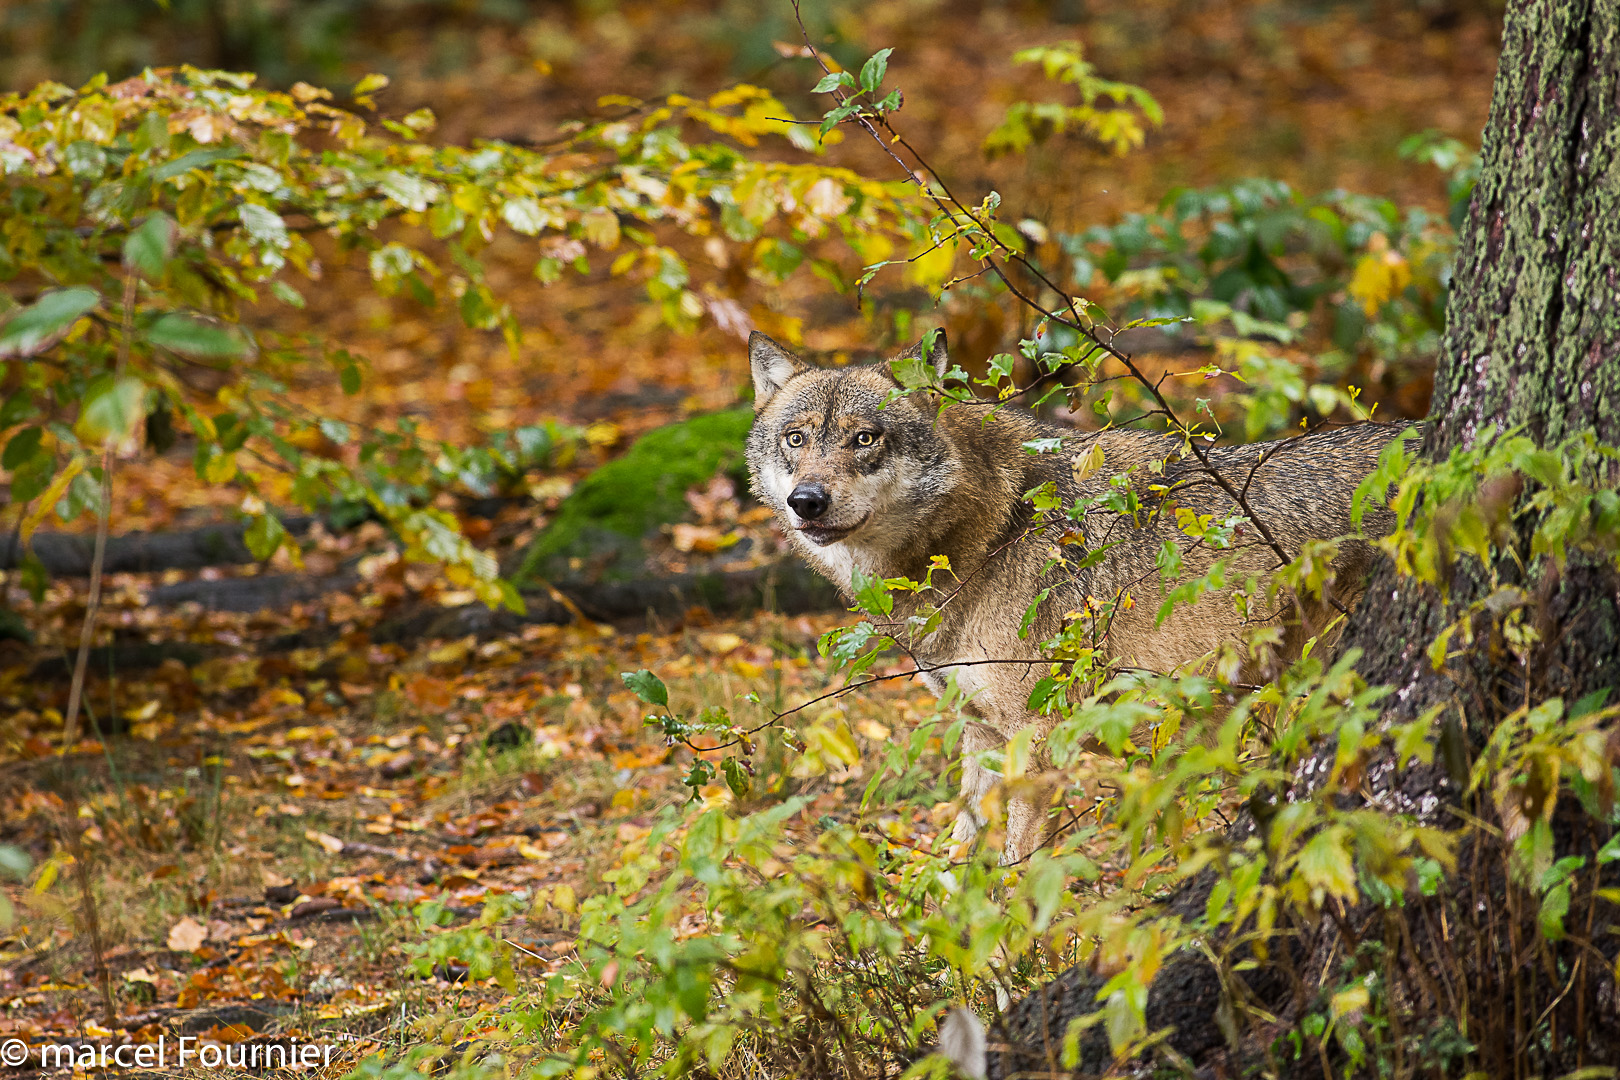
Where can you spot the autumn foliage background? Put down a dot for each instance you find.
(264, 800)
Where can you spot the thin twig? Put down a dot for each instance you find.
(951, 206)
(70, 722)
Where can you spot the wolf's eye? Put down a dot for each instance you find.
(794, 439)
(865, 438)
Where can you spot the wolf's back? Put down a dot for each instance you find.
(1300, 488)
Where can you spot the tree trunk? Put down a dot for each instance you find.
(1533, 342)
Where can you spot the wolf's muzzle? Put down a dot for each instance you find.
(809, 501)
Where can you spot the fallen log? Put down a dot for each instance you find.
(70, 554)
(788, 587)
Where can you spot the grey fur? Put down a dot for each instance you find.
(953, 484)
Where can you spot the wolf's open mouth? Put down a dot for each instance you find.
(822, 535)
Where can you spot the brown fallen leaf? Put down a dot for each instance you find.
(314, 906)
(187, 935)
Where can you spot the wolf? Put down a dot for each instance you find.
(861, 478)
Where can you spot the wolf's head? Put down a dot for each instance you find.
(846, 474)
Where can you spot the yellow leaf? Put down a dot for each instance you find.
(871, 247)
(1087, 463)
(1326, 866)
(48, 874)
(220, 468)
(603, 434)
(52, 495)
(601, 227)
(873, 730)
(932, 269)
(1380, 275)
(1350, 1000)
(453, 652)
(719, 644)
(562, 898)
(1018, 753)
(145, 712)
(827, 745)
(331, 843)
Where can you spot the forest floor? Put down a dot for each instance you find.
(272, 794)
(274, 798)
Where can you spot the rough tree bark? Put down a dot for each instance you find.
(1533, 342)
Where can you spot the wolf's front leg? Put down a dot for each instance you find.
(977, 781)
(1028, 820)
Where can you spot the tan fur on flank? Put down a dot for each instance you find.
(903, 483)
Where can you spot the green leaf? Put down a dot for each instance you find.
(836, 117)
(349, 378)
(524, 216)
(833, 80)
(148, 247)
(264, 224)
(18, 407)
(646, 686)
(871, 593)
(21, 447)
(264, 536)
(391, 260)
(411, 192)
(194, 160)
(1326, 867)
(1043, 692)
(46, 321)
(874, 69)
(1554, 906)
(31, 478)
(14, 861)
(111, 409)
(691, 982)
(737, 778)
(287, 294)
(85, 158)
(191, 336)
(1032, 612)
(336, 430)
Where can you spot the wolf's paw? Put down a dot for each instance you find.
(967, 827)
(1011, 856)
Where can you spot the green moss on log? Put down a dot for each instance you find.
(604, 522)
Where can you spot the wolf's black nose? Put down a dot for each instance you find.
(809, 501)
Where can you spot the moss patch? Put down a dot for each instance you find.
(604, 521)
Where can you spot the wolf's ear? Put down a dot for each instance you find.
(772, 366)
(936, 355)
